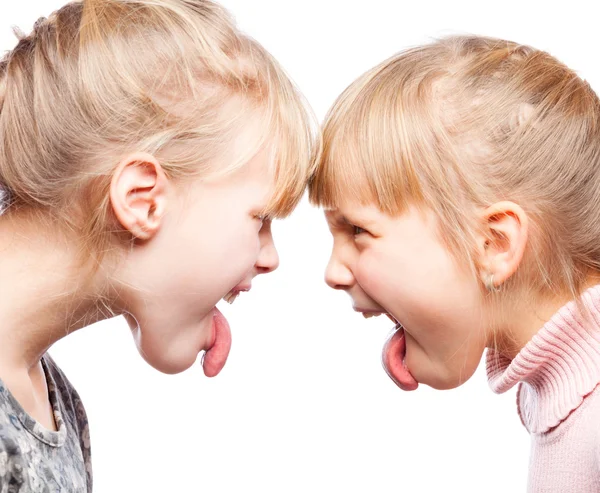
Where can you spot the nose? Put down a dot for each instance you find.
(268, 258)
(337, 274)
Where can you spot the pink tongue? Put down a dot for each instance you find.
(215, 357)
(393, 360)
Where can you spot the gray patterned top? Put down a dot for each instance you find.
(34, 459)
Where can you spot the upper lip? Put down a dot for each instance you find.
(241, 288)
(370, 310)
(366, 310)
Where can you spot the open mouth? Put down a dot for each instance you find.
(393, 355)
(393, 358)
(234, 293)
(374, 313)
(215, 356)
(231, 297)
(371, 314)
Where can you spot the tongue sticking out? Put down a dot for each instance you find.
(393, 355)
(215, 357)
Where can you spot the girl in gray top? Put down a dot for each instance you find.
(145, 147)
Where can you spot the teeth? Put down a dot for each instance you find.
(369, 315)
(230, 297)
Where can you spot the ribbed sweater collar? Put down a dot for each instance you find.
(556, 369)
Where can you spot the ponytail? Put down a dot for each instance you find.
(100, 78)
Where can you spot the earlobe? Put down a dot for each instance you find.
(138, 194)
(503, 242)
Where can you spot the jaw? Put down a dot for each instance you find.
(442, 370)
(170, 346)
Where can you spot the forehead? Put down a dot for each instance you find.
(371, 216)
(252, 183)
(248, 162)
(259, 167)
(351, 206)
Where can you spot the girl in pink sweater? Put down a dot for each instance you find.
(461, 182)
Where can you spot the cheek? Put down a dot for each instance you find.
(397, 276)
(201, 260)
(231, 249)
(227, 236)
(424, 289)
(372, 272)
(438, 303)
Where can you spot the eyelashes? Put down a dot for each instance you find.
(347, 227)
(264, 218)
(357, 230)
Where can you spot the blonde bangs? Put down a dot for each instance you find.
(370, 143)
(176, 79)
(296, 142)
(461, 124)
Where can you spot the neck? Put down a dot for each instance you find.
(520, 322)
(42, 296)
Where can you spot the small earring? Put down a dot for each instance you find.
(489, 284)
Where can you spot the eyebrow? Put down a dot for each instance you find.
(358, 221)
(336, 217)
(331, 213)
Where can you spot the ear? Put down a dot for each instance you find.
(502, 244)
(138, 194)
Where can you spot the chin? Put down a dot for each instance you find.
(447, 380)
(443, 384)
(169, 365)
(174, 351)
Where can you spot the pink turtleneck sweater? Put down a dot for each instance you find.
(558, 398)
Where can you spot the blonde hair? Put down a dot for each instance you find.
(99, 79)
(464, 122)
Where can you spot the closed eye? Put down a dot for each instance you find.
(263, 218)
(357, 230)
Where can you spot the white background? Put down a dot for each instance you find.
(303, 403)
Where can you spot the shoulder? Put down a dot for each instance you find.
(61, 390)
(60, 379)
(14, 457)
(590, 412)
(71, 405)
(11, 428)
(591, 418)
(60, 385)
(584, 421)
